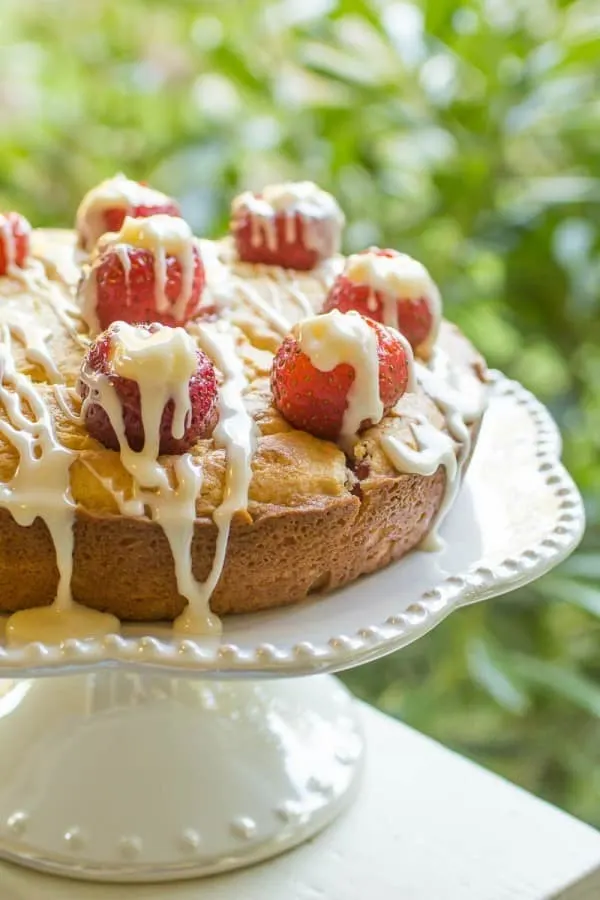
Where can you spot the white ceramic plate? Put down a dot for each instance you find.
(517, 515)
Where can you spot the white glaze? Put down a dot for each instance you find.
(162, 366)
(335, 338)
(236, 432)
(462, 401)
(434, 449)
(41, 488)
(31, 334)
(35, 280)
(394, 278)
(162, 362)
(227, 278)
(114, 193)
(161, 235)
(303, 200)
(8, 238)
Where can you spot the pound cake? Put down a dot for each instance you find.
(191, 428)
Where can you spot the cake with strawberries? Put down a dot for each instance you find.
(191, 428)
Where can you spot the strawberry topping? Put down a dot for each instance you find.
(151, 271)
(14, 241)
(104, 208)
(392, 288)
(331, 400)
(99, 369)
(292, 225)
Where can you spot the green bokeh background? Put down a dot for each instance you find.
(467, 135)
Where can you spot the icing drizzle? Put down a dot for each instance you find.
(335, 338)
(162, 363)
(41, 478)
(163, 236)
(235, 431)
(451, 389)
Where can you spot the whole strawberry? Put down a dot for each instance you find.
(336, 374)
(100, 367)
(104, 208)
(392, 288)
(293, 225)
(151, 271)
(14, 241)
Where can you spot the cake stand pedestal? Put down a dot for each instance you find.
(119, 776)
(151, 757)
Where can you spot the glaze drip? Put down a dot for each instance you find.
(300, 201)
(236, 432)
(41, 488)
(333, 339)
(453, 393)
(395, 277)
(161, 364)
(118, 192)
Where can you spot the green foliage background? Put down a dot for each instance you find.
(467, 135)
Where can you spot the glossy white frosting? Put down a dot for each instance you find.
(118, 192)
(162, 236)
(301, 200)
(394, 278)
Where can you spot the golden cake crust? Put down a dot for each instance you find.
(316, 518)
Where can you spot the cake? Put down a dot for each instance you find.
(193, 428)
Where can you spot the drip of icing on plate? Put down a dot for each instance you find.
(236, 432)
(118, 192)
(162, 363)
(395, 277)
(42, 478)
(300, 201)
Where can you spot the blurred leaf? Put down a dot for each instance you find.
(486, 668)
(559, 680)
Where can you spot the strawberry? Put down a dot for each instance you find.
(290, 225)
(144, 283)
(14, 241)
(199, 423)
(392, 288)
(316, 400)
(104, 208)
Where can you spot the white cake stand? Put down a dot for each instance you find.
(151, 757)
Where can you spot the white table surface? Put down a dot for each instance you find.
(428, 825)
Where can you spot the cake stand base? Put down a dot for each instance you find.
(114, 776)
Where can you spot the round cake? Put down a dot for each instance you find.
(192, 428)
